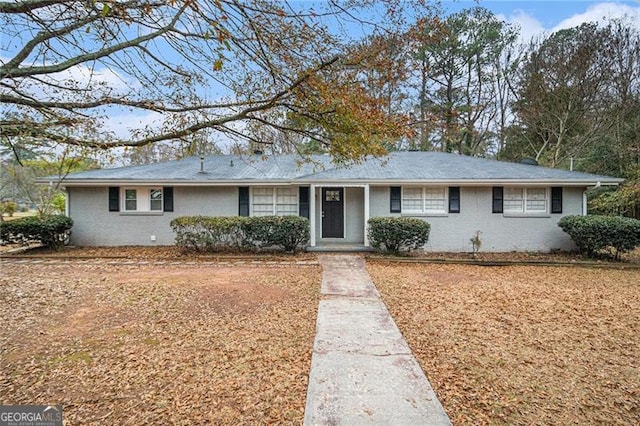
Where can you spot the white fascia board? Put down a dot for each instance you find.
(106, 182)
(344, 183)
(462, 182)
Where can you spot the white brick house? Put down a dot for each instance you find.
(515, 206)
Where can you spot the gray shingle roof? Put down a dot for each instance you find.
(398, 166)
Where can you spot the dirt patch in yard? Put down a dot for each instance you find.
(142, 344)
(522, 345)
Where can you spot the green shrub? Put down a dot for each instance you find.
(594, 234)
(204, 233)
(395, 234)
(50, 231)
(210, 234)
(286, 232)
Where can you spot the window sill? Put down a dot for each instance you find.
(533, 215)
(425, 214)
(141, 213)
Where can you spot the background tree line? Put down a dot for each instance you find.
(568, 99)
(262, 74)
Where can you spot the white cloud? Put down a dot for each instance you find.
(531, 27)
(602, 12)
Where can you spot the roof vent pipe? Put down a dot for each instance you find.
(201, 164)
(257, 152)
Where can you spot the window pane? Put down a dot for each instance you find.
(130, 199)
(332, 195)
(513, 200)
(287, 210)
(286, 196)
(156, 199)
(414, 193)
(536, 194)
(263, 196)
(262, 201)
(262, 210)
(434, 193)
(513, 194)
(536, 206)
(536, 199)
(513, 206)
(434, 205)
(286, 202)
(412, 199)
(434, 200)
(412, 205)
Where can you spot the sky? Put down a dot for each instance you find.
(537, 17)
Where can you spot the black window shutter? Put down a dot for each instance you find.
(556, 199)
(454, 199)
(395, 199)
(303, 201)
(497, 199)
(114, 199)
(167, 196)
(243, 201)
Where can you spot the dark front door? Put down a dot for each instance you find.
(332, 212)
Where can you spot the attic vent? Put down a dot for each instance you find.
(529, 161)
(258, 152)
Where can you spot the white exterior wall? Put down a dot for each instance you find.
(95, 225)
(499, 232)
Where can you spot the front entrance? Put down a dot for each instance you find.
(332, 212)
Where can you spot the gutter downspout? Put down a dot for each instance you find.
(584, 197)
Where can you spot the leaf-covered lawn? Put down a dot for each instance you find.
(522, 345)
(174, 344)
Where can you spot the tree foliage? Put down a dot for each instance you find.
(190, 66)
(461, 65)
(18, 178)
(578, 94)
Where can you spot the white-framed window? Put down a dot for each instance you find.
(424, 199)
(143, 199)
(268, 201)
(155, 199)
(525, 200)
(131, 199)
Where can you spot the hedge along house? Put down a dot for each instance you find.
(514, 206)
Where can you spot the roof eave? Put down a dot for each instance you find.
(337, 182)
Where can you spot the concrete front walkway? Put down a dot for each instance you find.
(362, 370)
